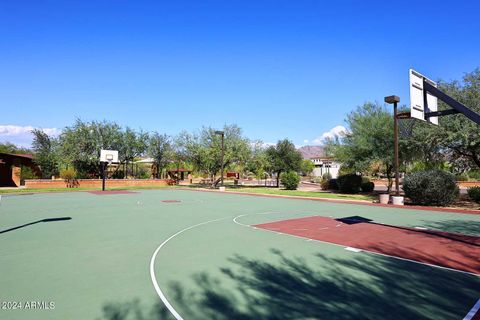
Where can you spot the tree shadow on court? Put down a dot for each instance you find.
(467, 227)
(35, 222)
(363, 287)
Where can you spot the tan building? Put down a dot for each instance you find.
(11, 168)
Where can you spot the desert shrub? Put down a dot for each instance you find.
(474, 193)
(26, 173)
(332, 184)
(142, 173)
(290, 180)
(118, 174)
(325, 181)
(461, 177)
(474, 174)
(431, 187)
(325, 184)
(367, 185)
(68, 174)
(349, 183)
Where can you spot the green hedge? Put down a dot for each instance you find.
(349, 183)
(474, 194)
(431, 187)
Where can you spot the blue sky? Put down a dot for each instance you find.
(276, 68)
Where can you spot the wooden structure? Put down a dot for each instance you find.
(11, 168)
(178, 174)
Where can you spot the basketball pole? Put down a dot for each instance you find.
(103, 175)
(395, 100)
(222, 133)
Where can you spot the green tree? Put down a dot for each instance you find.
(204, 149)
(81, 143)
(283, 157)
(307, 167)
(368, 141)
(46, 153)
(257, 162)
(134, 144)
(160, 149)
(457, 138)
(7, 147)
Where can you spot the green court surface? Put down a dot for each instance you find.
(130, 256)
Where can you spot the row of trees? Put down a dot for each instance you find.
(454, 145)
(79, 146)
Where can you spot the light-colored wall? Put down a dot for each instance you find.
(321, 167)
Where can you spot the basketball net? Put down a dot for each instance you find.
(405, 125)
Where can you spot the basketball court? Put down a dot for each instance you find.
(177, 254)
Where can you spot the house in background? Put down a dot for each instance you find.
(322, 162)
(11, 168)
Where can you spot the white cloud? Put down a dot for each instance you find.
(22, 135)
(330, 134)
(305, 141)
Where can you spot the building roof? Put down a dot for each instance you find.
(28, 156)
(311, 152)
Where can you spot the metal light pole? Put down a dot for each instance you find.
(222, 133)
(395, 100)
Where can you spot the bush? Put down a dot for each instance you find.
(474, 193)
(26, 173)
(325, 184)
(349, 183)
(461, 177)
(367, 185)
(474, 174)
(332, 184)
(290, 180)
(431, 187)
(68, 174)
(325, 181)
(142, 172)
(118, 174)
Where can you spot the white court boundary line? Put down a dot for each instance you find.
(177, 316)
(362, 250)
(159, 291)
(473, 311)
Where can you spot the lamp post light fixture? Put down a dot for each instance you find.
(222, 133)
(395, 100)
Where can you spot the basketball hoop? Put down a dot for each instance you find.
(107, 157)
(405, 124)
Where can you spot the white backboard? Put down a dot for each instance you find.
(418, 105)
(110, 156)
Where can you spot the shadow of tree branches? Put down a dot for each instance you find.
(467, 227)
(364, 287)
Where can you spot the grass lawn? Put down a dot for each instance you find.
(298, 193)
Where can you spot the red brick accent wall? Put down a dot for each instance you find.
(94, 183)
